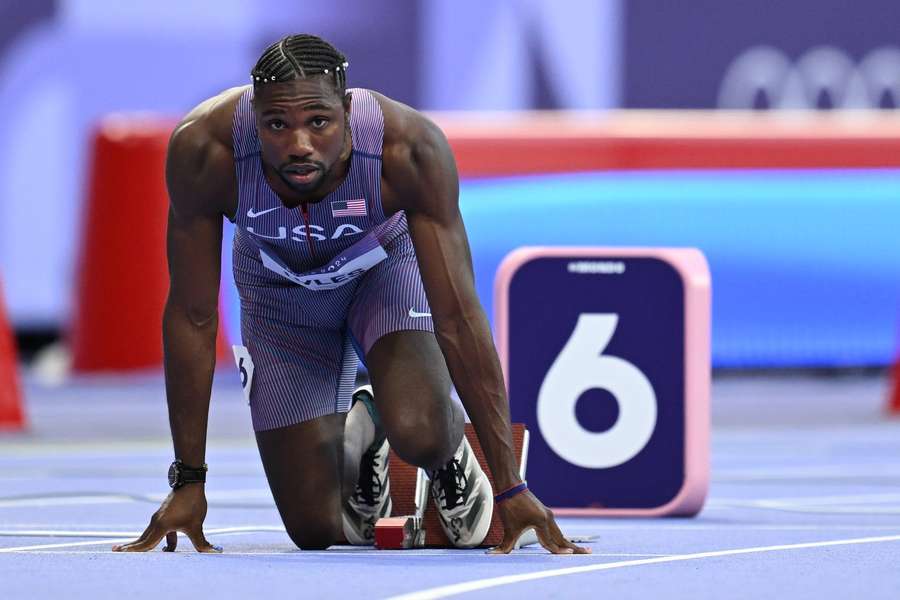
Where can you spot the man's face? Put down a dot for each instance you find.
(302, 128)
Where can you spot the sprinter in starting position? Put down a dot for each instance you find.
(349, 243)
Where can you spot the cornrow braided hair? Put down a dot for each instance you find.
(297, 56)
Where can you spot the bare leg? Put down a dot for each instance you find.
(303, 464)
(425, 428)
(412, 393)
(312, 467)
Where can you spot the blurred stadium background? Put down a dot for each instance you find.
(764, 133)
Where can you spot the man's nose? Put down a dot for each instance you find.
(301, 145)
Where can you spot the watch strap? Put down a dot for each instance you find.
(193, 474)
(187, 474)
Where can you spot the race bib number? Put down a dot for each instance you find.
(245, 369)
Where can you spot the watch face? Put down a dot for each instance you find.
(173, 475)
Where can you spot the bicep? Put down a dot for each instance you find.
(438, 233)
(195, 171)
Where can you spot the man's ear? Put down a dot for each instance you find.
(347, 100)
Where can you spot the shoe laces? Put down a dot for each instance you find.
(452, 483)
(368, 488)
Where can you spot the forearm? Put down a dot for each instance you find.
(190, 358)
(475, 369)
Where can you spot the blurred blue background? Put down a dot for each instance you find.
(804, 263)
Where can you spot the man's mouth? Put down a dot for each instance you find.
(301, 174)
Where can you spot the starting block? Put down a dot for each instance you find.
(421, 527)
(395, 533)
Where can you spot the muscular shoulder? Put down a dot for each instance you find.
(417, 158)
(200, 159)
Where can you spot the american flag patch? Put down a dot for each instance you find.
(349, 208)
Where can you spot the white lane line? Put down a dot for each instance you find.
(58, 533)
(129, 534)
(65, 545)
(17, 526)
(34, 531)
(823, 510)
(815, 500)
(738, 527)
(125, 537)
(732, 526)
(798, 473)
(400, 554)
(481, 584)
(114, 498)
(68, 501)
(876, 504)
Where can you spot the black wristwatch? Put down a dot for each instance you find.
(180, 474)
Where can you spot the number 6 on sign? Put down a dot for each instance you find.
(634, 322)
(581, 367)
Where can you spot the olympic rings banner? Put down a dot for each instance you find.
(761, 54)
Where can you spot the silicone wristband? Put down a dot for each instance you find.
(513, 491)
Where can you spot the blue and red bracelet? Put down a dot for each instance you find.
(513, 491)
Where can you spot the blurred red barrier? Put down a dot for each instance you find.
(122, 270)
(501, 144)
(894, 399)
(11, 414)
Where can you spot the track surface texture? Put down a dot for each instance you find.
(804, 503)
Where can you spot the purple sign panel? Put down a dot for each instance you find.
(594, 343)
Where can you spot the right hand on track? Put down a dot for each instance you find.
(183, 510)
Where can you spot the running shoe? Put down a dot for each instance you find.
(371, 500)
(463, 497)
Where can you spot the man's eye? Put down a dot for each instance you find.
(319, 122)
(277, 125)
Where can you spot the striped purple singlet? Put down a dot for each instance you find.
(314, 291)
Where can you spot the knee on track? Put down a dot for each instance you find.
(316, 533)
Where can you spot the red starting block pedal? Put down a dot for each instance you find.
(396, 533)
(410, 497)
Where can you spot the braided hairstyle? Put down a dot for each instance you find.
(302, 55)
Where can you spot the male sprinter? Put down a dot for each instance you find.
(348, 239)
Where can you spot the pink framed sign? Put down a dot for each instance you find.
(606, 353)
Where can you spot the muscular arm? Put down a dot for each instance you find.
(198, 176)
(419, 176)
(423, 176)
(199, 168)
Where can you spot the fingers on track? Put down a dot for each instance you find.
(201, 544)
(148, 541)
(171, 542)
